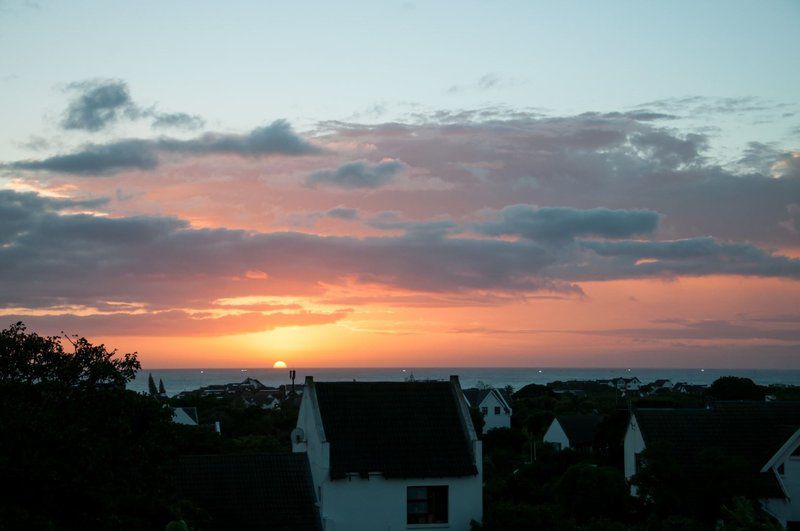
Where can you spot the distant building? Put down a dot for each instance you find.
(493, 406)
(625, 384)
(765, 436)
(658, 386)
(254, 491)
(391, 455)
(185, 415)
(573, 431)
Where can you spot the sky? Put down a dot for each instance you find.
(405, 184)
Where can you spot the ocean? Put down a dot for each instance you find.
(177, 380)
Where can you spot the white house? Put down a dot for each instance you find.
(492, 404)
(391, 455)
(572, 431)
(764, 435)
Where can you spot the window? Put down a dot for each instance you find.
(485, 411)
(426, 505)
(496, 410)
(639, 462)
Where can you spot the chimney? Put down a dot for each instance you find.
(454, 380)
(309, 380)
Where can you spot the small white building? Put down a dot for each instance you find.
(572, 431)
(391, 455)
(765, 435)
(493, 406)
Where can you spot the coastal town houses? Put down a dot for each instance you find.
(763, 437)
(576, 432)
(391, 455)
(493, 406)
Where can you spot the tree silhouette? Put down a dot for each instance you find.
(80, 451)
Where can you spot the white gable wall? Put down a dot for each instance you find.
(491, 419)
(786, 510)
(555, 434)
(634, 444)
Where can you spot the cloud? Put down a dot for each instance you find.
(97, 105)
(564, 224)
(49, 256)
(357, 174)
(613, 160)
(171, 323)
(179, 120)
(693, 256)
(100, 103)
(138, 154)
(343, 213)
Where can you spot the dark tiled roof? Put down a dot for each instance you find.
(475, 396)
(580, 429)
(257, 491)
(749, 431)
(402, 430)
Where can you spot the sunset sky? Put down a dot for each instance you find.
(357, 184)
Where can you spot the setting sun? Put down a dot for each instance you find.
(279, 365)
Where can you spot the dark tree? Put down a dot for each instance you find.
(162, 391)
(735, 388)
(588, 491)
(76, 448)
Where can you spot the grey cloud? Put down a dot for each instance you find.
(180, 120)
(390, 220)
(136, 154)
(97, 159)
(564, 224)
(343, 213)
(357, 174)
(99, 103)
(693, 256)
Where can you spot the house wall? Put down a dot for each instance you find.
(492, 420)
(634, 444)
(555, 434)
(378, 504)
(787, 511)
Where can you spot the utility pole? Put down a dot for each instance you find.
(292, 375)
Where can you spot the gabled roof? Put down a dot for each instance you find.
(256, 491)
(476, 396)
(399, 429)
(750, 431)
(580, 429)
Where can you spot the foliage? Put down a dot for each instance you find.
(32, 359)
(80, 451)
(588, 491)
(735, 388)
